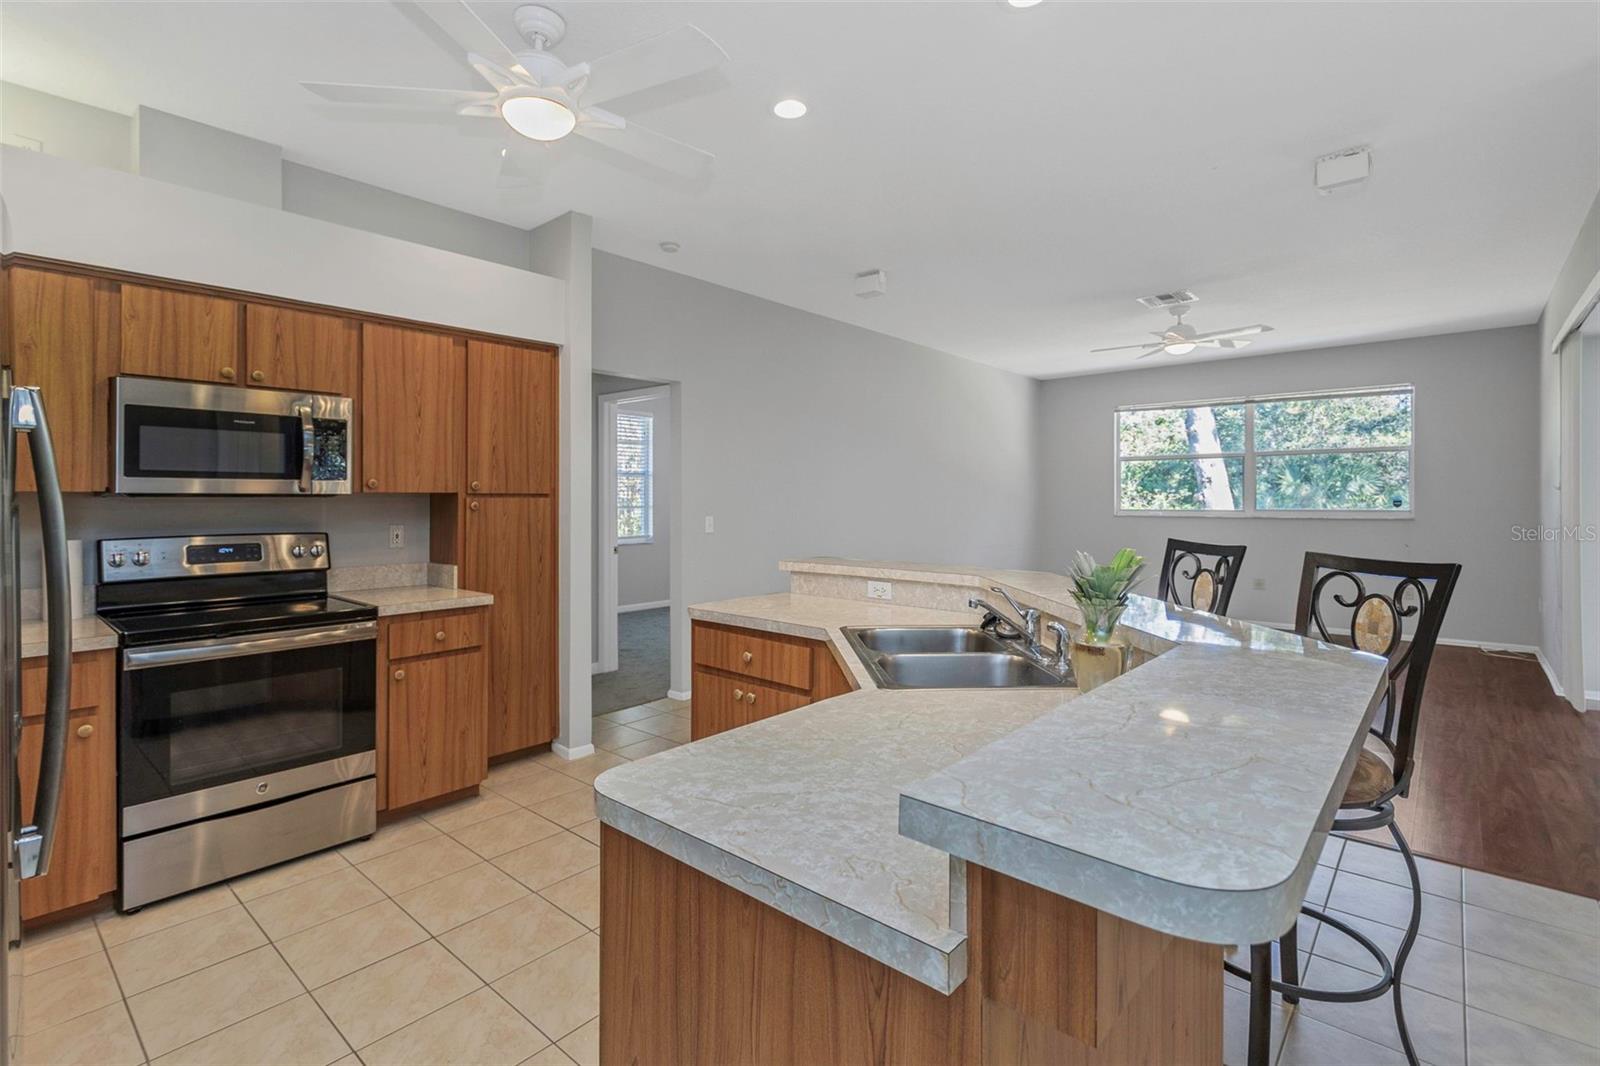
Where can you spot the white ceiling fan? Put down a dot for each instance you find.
(1182, 338)
(544, 99)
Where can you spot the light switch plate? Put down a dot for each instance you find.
(711, 524)
(880, 590)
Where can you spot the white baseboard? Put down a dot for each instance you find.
(624, 608)
(572, 753)
(674, 694)
(1549, 673)
(1591, 701)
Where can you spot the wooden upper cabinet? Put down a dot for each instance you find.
(171, 334)
(413, 401)
(511, 420)
(301, 350)
(63, 338)
(509, 550)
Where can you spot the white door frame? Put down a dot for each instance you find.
(606, 560)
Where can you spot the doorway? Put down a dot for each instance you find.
(633, 553)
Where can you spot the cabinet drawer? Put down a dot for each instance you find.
(721, 703)
(741, 651)
(430, 633)
(91, 683)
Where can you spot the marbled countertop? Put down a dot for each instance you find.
(415, 599)
(1191, 795)
(88, 634)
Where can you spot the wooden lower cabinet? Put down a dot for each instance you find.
(434, 707)
(84, 864)
(742, 676)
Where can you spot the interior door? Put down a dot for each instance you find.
(510, 551)
(413, 399)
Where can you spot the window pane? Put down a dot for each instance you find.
(1335, 422)
(1183, 485)
(1182, 430)
(1361, 481)
(635, 440)
(631, 524)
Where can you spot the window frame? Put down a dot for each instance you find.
(1250, 456)
(649, 537)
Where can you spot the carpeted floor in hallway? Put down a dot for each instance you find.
(642, 672)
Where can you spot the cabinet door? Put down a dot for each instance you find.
(301, 350)
(63, 339)
(511, 418)
(510, 551)
(84, 864)
(169, 334)
(435, 732)
(413, 406)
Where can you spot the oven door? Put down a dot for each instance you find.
(178, 437)
(220, 725)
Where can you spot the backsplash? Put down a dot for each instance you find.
(357, 525)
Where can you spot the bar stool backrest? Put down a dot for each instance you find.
(1199, 575)
(1392, 609)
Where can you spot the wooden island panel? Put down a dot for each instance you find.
(693, 971)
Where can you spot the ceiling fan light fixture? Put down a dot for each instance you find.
(1182, 348)
(789, 108)
(1024, 3)
(538, 118)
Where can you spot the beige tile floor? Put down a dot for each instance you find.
(465, 934)
(468, 934)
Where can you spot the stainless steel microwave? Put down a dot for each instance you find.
(184, 438)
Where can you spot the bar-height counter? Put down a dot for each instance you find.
(972, 875)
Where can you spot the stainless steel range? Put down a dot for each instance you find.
(246, 709)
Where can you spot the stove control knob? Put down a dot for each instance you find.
(317, 550)
(116, 559)
(141, 557)
(298, 551)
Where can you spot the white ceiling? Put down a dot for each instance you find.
(1022, 175)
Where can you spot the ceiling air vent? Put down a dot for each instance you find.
(1176, 298)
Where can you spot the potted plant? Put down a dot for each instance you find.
(1101, 593)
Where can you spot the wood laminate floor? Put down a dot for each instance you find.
(1508, 776)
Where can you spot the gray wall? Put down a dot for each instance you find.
(185, 152)
(801, 435)
(1589, 548)
(1476, 476)
(58, 126)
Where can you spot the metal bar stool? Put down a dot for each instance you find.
(1372, 601)
(1185, 574)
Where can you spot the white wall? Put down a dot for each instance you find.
(1476, 465)
(61, 127)
(1589, 548)
(801, 435)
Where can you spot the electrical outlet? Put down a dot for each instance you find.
(880, 590)
(397, 536)
(1259, 584)
(711, 524)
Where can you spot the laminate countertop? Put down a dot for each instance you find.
(88, 634)
(415, 599)
(1192, 795)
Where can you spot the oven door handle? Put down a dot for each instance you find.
(199, 651)
(308, 444)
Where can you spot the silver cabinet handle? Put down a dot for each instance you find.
(308, 445)
(34, 843)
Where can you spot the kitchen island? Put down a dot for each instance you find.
(995, 875)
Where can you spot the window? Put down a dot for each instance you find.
(1343, 453)
(635, 476)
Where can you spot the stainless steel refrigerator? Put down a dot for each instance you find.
(28, 847)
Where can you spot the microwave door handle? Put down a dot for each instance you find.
(34, 843)
(308, 445)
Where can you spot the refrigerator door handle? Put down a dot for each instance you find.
(35, 842)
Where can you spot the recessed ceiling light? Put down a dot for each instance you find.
(538, 118)
(670, 247)
(788, 109)
(1024, 3)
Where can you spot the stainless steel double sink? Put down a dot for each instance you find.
(947, 657)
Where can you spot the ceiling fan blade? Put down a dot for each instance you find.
(1225, 342)
(1123, 348)
(654, 148)
(663, 58)
(1228, 334)
(493, 72)
(398, 95)
(1157, 350)
(463, 26)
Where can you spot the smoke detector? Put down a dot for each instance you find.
(1175, 298)
(870, 283)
